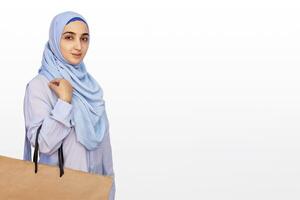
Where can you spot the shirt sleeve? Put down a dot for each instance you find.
(108, 163)
(55, 121)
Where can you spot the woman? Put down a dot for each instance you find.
(68, 103)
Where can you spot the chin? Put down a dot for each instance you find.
(74, 62)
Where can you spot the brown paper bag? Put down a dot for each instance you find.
(19, 182)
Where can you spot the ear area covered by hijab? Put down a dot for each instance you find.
(89, 113)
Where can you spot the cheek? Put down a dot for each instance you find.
(85, 48)
(64, 48)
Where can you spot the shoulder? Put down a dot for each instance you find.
(38, 85)
(37, 90)
(38, 82)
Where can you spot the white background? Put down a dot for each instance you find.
(203, 98)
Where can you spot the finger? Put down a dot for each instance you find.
(52, 86)
(56, 82)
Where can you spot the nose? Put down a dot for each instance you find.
(77, 45)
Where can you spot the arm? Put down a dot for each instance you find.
(56, 124)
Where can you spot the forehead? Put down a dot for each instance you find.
(78, 27)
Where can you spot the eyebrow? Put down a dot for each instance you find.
(75, 33)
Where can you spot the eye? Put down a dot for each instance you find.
(85, 39)
(68, 37)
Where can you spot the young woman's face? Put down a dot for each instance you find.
(74, 42)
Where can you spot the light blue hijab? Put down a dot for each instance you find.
(89, 114)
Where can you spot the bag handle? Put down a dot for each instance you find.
(60, 155)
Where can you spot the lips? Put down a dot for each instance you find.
(76, 55)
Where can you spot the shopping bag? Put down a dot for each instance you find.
(18, 181)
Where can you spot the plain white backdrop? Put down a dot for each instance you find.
(203, 97)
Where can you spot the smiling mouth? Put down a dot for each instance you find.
(77, 55)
